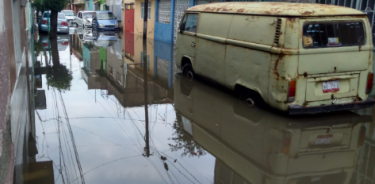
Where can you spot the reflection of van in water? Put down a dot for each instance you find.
(301, 58)
(262, 147)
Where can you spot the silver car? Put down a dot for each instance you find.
(70, 16)
(62, 23)
(85, 19)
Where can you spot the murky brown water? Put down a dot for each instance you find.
(97, 131)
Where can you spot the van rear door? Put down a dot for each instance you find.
(332, 55)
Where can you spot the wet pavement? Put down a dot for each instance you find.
(110, 124)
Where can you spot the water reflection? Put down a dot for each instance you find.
(123, 120)
(255, 146)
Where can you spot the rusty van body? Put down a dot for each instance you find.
(300, 58)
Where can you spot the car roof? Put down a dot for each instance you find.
(66, 10)
(275, 8)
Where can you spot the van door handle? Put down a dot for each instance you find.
(192, 44)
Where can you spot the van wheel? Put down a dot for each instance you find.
(188, 71)
(251, 98)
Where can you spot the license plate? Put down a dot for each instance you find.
(323, 139)
(331, 86)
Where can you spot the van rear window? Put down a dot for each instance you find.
(333, 34)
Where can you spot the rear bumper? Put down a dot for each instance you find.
(296, 109)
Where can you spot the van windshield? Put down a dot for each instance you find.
(333, 34)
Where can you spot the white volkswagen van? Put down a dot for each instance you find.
(300, 58)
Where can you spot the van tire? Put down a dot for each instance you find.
(187, 71)
(251, 98)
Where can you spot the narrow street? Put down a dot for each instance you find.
(95, 131)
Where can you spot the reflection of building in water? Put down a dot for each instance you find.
(76, 45)
(105, 69)
(159, 59)
(256, 146)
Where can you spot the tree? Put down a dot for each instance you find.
(54, 6)
(39, 6)
(58, 75)
(185, 142)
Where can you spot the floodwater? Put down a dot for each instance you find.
(120, 120)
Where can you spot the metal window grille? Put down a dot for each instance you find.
(164, 11)
(143, 9)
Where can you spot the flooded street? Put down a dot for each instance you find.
(106, 123)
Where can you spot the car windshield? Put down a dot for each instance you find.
(61, 16)
(106, 16)
(88, 14)
(69, 13)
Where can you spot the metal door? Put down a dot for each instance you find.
(129, 18)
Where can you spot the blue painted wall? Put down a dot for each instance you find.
(164, 31)
(164, 51)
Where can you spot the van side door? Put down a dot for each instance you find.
(186, 37)
(211, 45)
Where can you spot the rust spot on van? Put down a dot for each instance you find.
(208, 9)
(241, 10)
(308, 13)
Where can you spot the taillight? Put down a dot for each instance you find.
(287, 140)
(64, 23)
(44, 22)
(361, 136)
(45, 44)
(292, 91)
(370, 82)
(64, 43)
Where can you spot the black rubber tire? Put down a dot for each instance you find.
(251, 98)
(187, 71)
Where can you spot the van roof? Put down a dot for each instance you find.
(275, 8)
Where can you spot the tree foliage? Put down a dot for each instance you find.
(58, 76)
(39, 5)
(55, 5)
(184, 141)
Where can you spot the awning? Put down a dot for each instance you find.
(96, 1)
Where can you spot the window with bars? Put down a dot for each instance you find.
(164, 11)
(143, 10)
(148, 61)
(119, 78)
(111, 70)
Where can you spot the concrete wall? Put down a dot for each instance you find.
(138, 48)
(16, 63)
(138, 21)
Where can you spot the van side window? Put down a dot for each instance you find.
(333, 34)
(189, 23)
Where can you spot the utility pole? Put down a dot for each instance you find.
(145, 15)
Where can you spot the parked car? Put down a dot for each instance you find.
(106, 39)
(70, 16)
(106, 21)
(86, 35)
(321, 60)
(85, 19)
(62, 42)
(62, 23)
